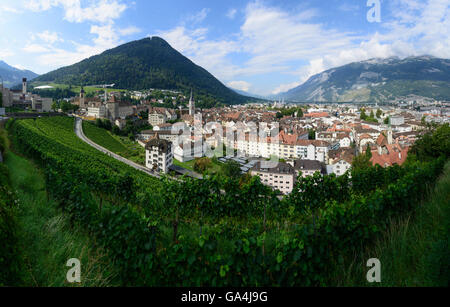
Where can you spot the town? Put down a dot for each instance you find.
(303, 139)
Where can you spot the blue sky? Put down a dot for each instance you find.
(260, 46)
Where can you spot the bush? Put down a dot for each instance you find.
(10, 260)
(202, 165)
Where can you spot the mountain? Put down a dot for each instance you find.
(13, 76)
(144, 64)
(378, 80)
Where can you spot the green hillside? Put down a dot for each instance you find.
(144, 64)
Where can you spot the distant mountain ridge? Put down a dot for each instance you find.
(377, 80)
(144, 64)
(13, 76)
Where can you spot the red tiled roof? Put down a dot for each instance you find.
(396, 155)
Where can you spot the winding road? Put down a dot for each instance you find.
(79, 132)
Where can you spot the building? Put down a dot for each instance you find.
(307, 167)
(163, 127)
(397, 120)
(312, 150)
(387, 152)
(159, 155)
(189, 150)
(279, 176)
(96, 110)
(191, 106)
(165, 135)
(7, 96)
(41, 104)
(158, 116)
(341, 166)
(82, 98)
(24, 100)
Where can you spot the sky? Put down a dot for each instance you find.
(262, 47)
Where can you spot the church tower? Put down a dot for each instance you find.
(191, 106)
(24, 86)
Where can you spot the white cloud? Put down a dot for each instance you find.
(129, 31)
(210, 54)
(271, 39)
(105, 34)
(49, 37)
(10, 9)
(199, 17)
(102, 11)
(6, 53)
(35, 48)
(285, 87)
(231, 13)
(240, 85)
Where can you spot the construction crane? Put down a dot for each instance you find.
(104, 86)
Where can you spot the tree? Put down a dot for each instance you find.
(116, 130)
(361, 162)
(379, 113)
(311, 134)
(55, 106)
(363, 114)
(107, 124)
(300, 113)
(202, 165)
(368, 152)
(432, 145)
(386, 120)
(231, 169)
(99, 123)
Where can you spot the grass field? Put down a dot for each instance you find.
(47, 238)
(120, 145)
(414, 252)
(187, 165)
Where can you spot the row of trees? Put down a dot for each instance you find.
(130, 129)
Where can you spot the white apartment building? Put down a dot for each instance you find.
(279, 176)
(97, 111)
(312, 150)
(158, 155)
(340, 166)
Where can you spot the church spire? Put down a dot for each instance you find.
(191, 105)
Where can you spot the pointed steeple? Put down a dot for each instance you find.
(191, 105)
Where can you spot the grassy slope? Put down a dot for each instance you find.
(121, 146)
(46, 236)
(415, 251)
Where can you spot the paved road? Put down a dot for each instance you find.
(79, 132)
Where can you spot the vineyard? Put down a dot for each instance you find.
(218, 232)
